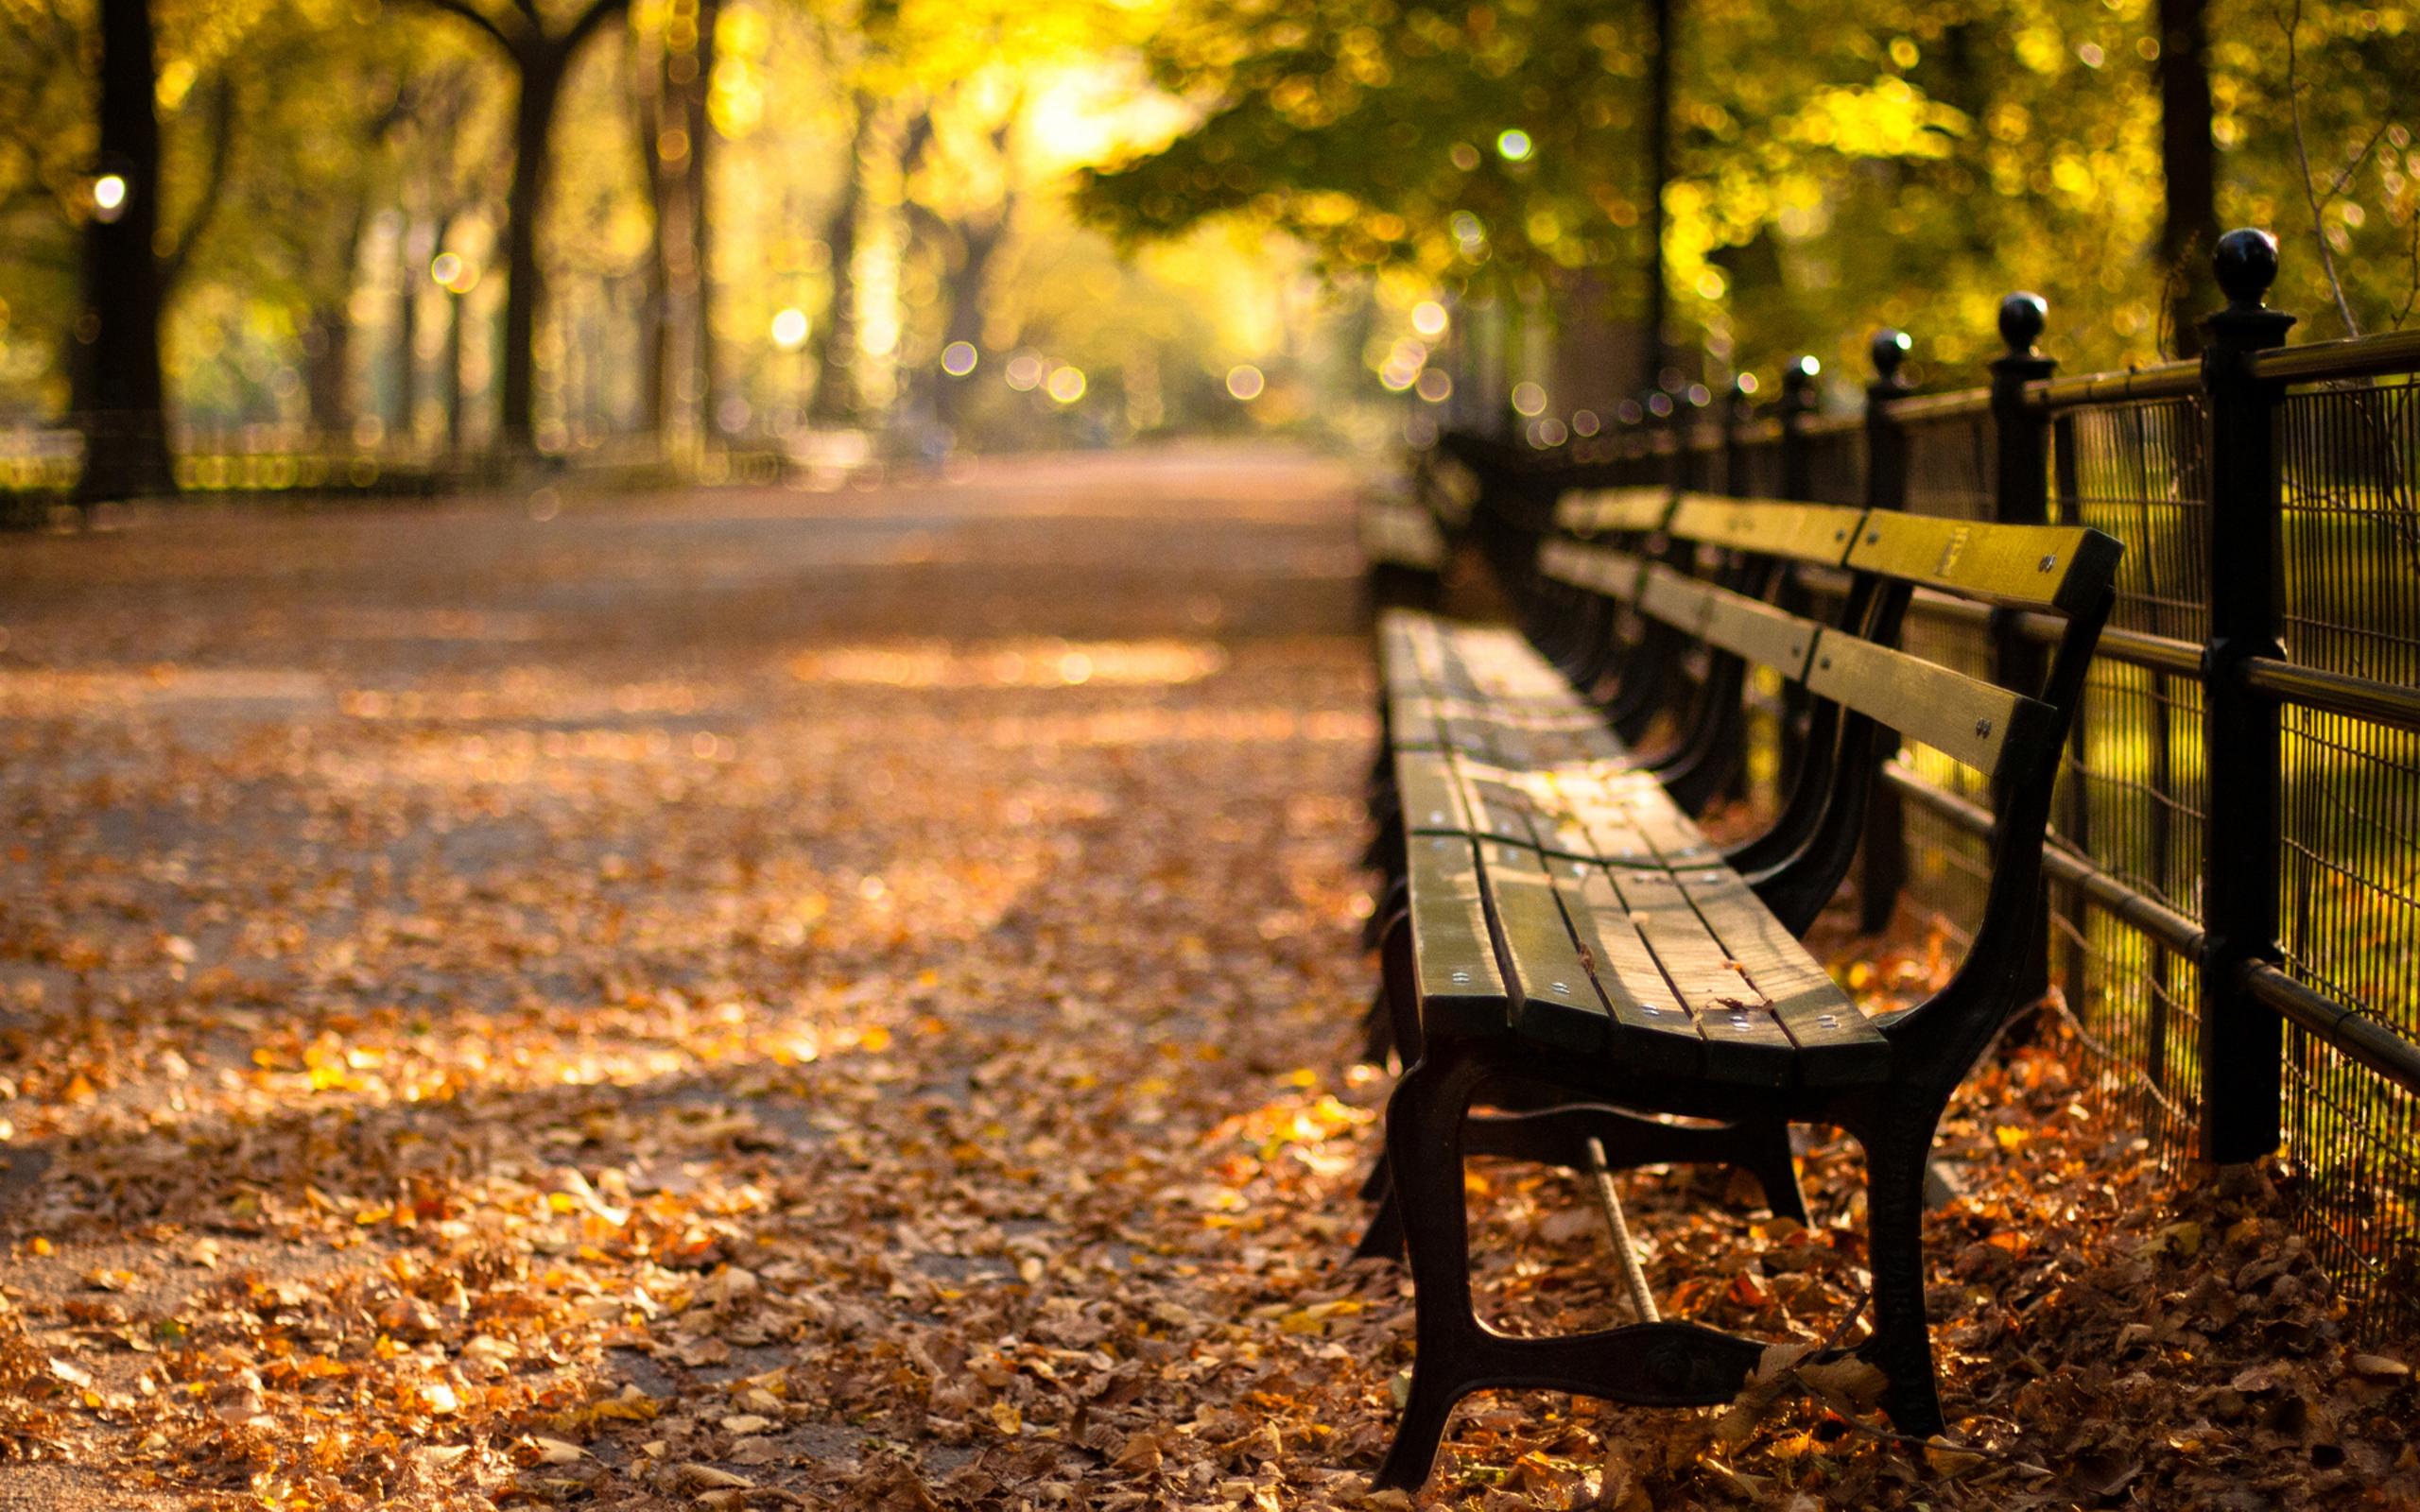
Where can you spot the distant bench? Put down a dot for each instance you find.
(1407, 531)
(1564, 945)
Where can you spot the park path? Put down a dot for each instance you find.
(660, 942)
(758, 998)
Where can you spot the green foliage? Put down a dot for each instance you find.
(1836, 166)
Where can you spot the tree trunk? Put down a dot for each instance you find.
(664, 204)
(120, 397)
(542, 69)
(1659, 174)
(2189, 164)
(405, 428)
(836, 340)
(702, 305)
(966, 307)
(327, 341)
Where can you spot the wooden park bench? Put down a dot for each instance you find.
(1571, 951)
(1407, 531)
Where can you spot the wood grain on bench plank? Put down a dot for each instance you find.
(1744, 1043)
(1965, 718)
(1600, 569)
(1837, 1047)
(1453, 953)
(1818, 533)
(1613, 511)
(2055, 567)
(1646, 1023)
(1431, 798)
(1555, 995)
(1754, 629)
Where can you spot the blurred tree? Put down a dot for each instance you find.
(541, 60)
(2188, 165)
(120, 396)
(675, 61)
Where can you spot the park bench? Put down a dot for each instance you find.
(1407, 530)
(1571, 951)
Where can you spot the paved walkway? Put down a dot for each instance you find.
(549, 968)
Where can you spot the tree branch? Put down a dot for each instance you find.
(478, 18)
(597, 13)
(214, 183)
(2292, 26)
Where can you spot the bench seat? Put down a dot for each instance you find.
(1534, 839)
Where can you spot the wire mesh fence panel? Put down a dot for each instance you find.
(2132, 789)
(1950, 466)
(1949, 474)
(1757, 456)
(2350, 529)
(1836, 460)
(2349, 893)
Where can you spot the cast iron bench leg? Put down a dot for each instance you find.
(1896, 1147)
(1425, 1158)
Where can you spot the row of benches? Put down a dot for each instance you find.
(1572, 973)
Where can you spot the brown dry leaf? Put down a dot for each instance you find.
(692, 1476)
(1138, 1454)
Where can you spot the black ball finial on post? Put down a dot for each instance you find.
(1888, 349)
(2023, 317)
(2246, 263)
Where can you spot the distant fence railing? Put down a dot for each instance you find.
(2233, 906)
(40, 465)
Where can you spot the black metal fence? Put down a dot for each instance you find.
(2234, 912)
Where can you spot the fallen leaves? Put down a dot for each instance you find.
(618, 1068)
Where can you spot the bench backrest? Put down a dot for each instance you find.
(2063, 570)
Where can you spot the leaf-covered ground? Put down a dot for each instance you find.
(778, 1000)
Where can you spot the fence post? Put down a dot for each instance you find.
(2242, 1043)
(1734, 420)
(1798, 402)
(2021, 496)
(1884, 872)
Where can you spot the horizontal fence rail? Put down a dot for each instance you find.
(2232, 885)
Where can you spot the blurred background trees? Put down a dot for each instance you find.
(438, 228)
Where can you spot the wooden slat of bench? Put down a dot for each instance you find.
(1965, 718)
(2057, 567)
(1646, 1024)
(1555, 993)
(1609, 511)
(1431, 798)
(1744, 1043)
(1604, 828)
(1453, 955)
(1755, 631)
(1818, 533)
(1498, 808)
(1598, 569)
(1836, 1046)
(1412, 722)
(1625, 809)
(1678, 601)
